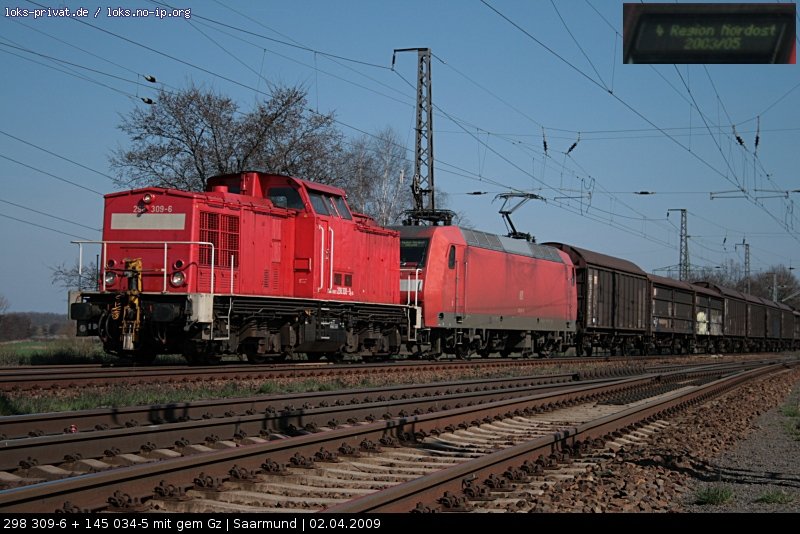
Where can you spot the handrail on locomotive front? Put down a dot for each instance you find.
(408, 286)
(166, 263)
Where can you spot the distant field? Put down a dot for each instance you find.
(51, 351)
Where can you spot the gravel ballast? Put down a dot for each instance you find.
(737, 448)
(763, 466)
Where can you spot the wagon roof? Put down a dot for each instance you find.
(752, 298)
(582, 257)
(725, 291)
(706, 290)
(671, 282)
(767, 302)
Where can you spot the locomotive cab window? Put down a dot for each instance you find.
(344, 213)
(451, 257)
(413, 252)
(332, 206)
(321, 206)
(286, 197)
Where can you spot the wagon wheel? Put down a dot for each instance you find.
(256, 358)
(333, 357)
(208, 359)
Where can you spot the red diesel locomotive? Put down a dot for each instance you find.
(259, 264)
(268, 266)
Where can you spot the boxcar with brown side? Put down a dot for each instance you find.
(613, 302)
(734, 318)
(672, 315)
(756, 323)
(787, 327)
(796, 337)
(709, 316)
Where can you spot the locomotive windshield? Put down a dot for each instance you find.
(329, 205)
(285, 197)
(413, 252)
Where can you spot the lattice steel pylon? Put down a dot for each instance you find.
(746, 246)
(423, 186)
(683, 261)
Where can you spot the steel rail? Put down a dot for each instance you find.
(32, 425)
(53, 449)
(428, 489)
(34, 378)
(91, 491)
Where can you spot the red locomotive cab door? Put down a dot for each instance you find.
(456, 280)
(330, 250)
(323, 268)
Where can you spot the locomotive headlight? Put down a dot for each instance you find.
(177, 279)
(147, 198)
(110, 278)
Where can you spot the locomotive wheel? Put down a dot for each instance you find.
(202, 354)
(462, 352)
(145, 358)
(138, 358)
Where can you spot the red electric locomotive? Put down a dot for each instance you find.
(482, 293)
(259, 264)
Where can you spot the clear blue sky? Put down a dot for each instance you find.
(495, 88)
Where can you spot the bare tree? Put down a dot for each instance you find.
(289, 139)
(779, 277)
(4, 305)
(378, 176)
(193, 134)
(729, 274)
(15, 326)
(69, 278)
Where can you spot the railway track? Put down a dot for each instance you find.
(406, 446)
(45, 377)
(60, 377)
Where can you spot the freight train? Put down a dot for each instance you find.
(270, 267)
